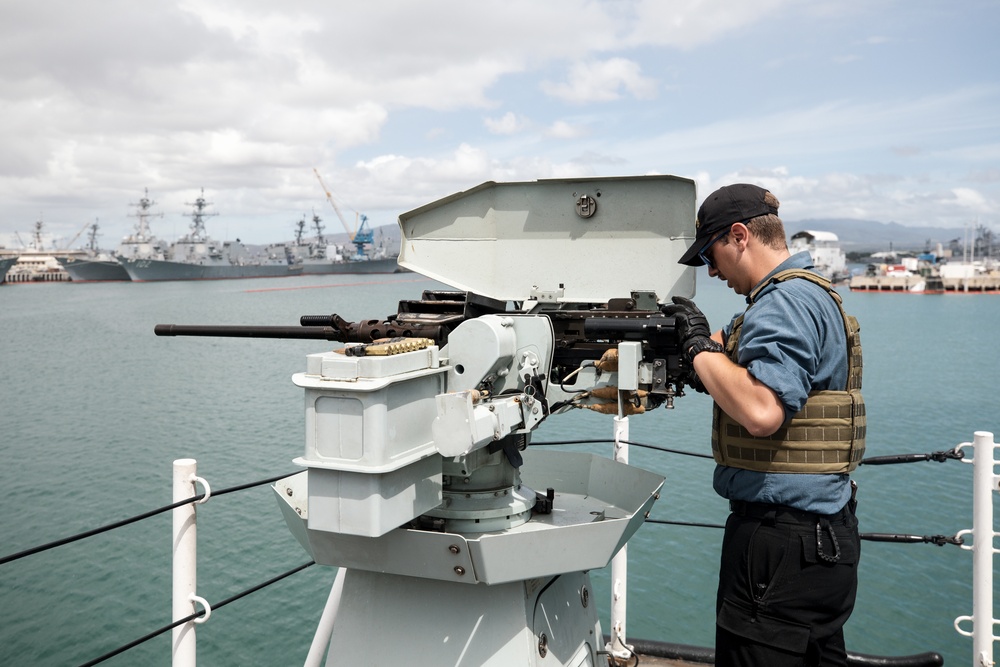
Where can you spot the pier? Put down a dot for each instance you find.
(918, 284)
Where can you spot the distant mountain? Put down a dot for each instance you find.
(872, 236)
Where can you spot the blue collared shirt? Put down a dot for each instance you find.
(793, 341)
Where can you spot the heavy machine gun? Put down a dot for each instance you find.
(419, 477)
(582, 333)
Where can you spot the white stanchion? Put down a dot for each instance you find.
(619, 565)
(185, 556)
(324, 631)
(984, 483)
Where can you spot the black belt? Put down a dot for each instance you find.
(782, 514)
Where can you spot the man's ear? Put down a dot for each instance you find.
(739, 233)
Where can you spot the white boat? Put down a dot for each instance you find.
(36, 263)
(827, 255)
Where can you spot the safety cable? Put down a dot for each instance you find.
(940, 457)
(187, 619)
(627, 442)
(139, 517)
(939, 540)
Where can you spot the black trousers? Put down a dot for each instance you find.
(787, 584)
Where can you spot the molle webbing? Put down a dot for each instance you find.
(826, 436)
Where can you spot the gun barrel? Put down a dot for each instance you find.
(226, 331)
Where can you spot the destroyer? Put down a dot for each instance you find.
(317, 256)
(96, 265)
(196, 256)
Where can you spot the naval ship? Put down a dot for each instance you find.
(98, 266)
(317, 256)
(5, 264)
(196, 256)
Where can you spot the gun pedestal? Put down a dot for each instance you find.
(414, 490)
(494, 598)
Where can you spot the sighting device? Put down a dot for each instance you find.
(456, 540)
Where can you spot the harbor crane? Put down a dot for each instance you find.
(359, 235)
(73, 240)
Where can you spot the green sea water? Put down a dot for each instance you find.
(94, 408)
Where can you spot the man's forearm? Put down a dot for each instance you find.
(742, 396)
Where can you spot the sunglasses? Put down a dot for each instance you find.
(704, 251)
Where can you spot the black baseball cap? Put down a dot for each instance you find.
(732, 203)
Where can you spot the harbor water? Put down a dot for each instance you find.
(94, 409)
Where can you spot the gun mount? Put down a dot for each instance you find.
(420, 476)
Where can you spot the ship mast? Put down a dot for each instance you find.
(92, 237)
(198, 215)
(319, 229)
(142, 233)
(300, 227)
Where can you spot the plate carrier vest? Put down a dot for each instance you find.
(826, 436)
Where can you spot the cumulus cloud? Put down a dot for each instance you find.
(509, 123)
(562, 129)
(971, 200)
(401, 102)
(601, 81)
(689, 25)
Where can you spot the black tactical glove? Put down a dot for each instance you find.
(693, 332)
(692, 325)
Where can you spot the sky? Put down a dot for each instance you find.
(883, 110)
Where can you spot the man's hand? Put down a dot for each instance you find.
(692, 325)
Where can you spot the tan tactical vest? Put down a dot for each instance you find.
(826, 436)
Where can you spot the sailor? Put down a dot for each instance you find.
(788, 428)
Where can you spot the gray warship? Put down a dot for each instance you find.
(319, 257)
(5, 264)
(196, 256)
(96, 265)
